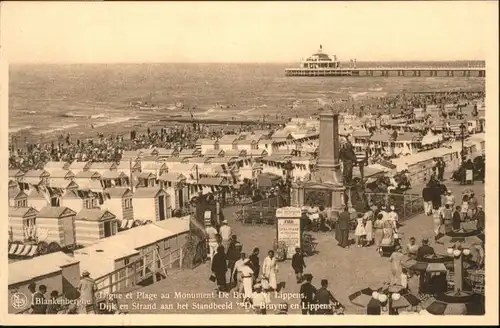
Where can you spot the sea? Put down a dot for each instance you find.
(55, 99)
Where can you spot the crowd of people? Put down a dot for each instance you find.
(254, 283)
(109, 148)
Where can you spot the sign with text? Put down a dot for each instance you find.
(288, 228)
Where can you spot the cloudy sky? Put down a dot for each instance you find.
(244, 32)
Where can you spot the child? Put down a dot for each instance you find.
(360, 231)
(465, 208)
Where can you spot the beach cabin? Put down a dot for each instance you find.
(36, 177)
(110, 179)
(157, 168)
(109, 264)
(118, 200)
(22, 223)
(235, 153)
(214, 153)
(77, 166)
(61, 174)
(204, 145)
(57, 271)
(152, 203)
(148, 160)
(16, 175)
(129, 155)
(228, 142)
(56, 166)
(38, 199)
(189, 152)
(165, 152)
(17, 197)
(128, 167)
(101, 167)
(126, 259)
(174, 184)
(248, 144)
(56, 225)
(216, 185)
(257, 153)
(282, 136)
(94, 224)
(144, 180)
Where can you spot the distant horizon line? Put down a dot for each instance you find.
(268, 62)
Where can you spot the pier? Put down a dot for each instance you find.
(389, 72)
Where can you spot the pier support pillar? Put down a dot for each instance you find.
(452, 73)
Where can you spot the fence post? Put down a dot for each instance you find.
(404, 205)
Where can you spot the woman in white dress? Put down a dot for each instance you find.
(368, 219)
(360, 231)
(269, 272)
(247, 275)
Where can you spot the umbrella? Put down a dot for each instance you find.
(451, 303)
(364, 297)
(433, 263)
(405, 300)
(467, 237)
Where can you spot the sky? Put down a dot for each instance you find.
(136, 32)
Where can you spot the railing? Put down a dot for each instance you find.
(407, 205)
(263, 211)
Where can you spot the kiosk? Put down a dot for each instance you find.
(288, 229)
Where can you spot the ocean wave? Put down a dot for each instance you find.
(61, 128)
(71, 114)
(116, 121)
(375, 89)
(19, 129)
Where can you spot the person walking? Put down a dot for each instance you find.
(270, 271)
(368, 218)
(307, 293)
(87, 289)
(247, 280)
(427, 198)
(360, 231)
(39, 301)
(225, 233)
(323, 298)
(298, 264)
(447, 218)
(343, 223)
(436, 220)
(212, 241)
(236, 275)
(254, 261)
(219, 268)
(396, 267)
(457, 218)
(378, 230)
(480, 218)
(233, 254)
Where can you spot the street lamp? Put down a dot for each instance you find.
(458, 251)
(462, 134)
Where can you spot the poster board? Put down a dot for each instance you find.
(288, 228)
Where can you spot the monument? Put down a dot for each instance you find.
(325, 187)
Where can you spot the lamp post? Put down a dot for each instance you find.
(462, 134)
(458, 251)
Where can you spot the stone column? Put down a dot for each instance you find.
(328, 162)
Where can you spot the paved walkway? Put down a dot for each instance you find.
(346, 270)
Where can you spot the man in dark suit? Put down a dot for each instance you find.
(298, 264)
(343, 223)
(307, 292)
(323, 298)
(424, 250)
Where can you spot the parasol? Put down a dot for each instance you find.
(466, 237)
(433, 263)
(452, 303)
(364, 297)
(404, 300)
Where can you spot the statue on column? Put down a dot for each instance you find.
(349, 159)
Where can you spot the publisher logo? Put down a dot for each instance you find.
(18, 300)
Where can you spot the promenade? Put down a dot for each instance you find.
(347, 270)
